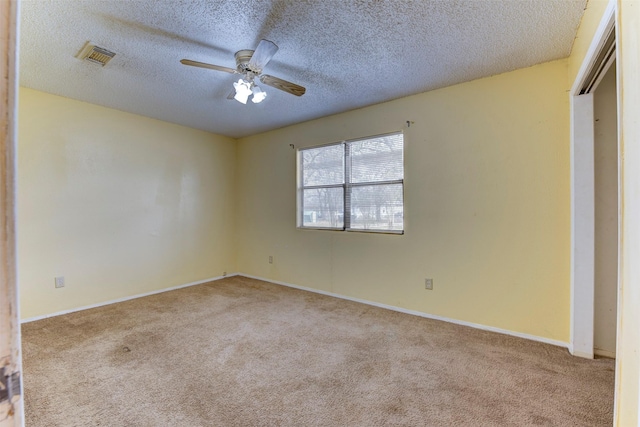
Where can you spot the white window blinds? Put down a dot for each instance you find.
(353, 185)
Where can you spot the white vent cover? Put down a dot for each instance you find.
(95, 54)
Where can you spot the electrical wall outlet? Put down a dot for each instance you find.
(270, 259)
(428, 284)
(59, 282)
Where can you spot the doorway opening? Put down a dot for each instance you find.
(595, 198)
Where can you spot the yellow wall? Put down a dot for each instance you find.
(486, 205)
(117, 203)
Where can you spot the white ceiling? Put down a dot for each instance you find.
(348, 54)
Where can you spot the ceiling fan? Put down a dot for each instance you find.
(249, 64)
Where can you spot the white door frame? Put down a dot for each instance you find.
(582, 198)
(11, 407)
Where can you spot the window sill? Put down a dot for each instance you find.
(354, 230)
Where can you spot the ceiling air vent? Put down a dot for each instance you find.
(95, 54)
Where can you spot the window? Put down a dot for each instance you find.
(353, 185)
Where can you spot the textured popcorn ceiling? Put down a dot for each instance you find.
(348, 54)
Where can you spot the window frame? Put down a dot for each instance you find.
(346, 186)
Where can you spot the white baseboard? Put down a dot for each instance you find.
(583, 354)
(418, 313)
(100, 304)
(604, 353)
(318, 291)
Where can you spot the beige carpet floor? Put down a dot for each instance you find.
(241, 352)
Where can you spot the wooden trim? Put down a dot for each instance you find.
(11, 412)
(627, 393)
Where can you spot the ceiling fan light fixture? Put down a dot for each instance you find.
(243, 90)
(250, 63)
(258, 95)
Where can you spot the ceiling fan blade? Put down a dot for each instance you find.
(262, 55)
(209, 66)
(284, 85)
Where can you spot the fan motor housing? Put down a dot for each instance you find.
(242, 60)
